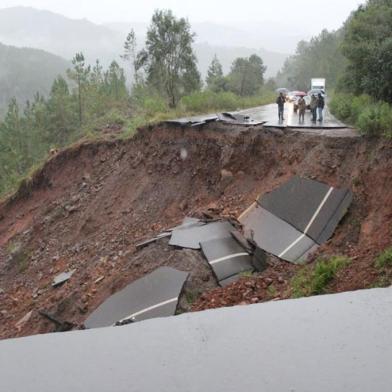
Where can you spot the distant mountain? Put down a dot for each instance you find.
(25, 71)
(29, 27)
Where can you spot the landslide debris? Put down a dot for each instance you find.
(92, 203)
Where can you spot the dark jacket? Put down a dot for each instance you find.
(320, 102)
(280, 101)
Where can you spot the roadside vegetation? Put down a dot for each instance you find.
(356, 61)
(315, 278)
(369, 116)
(91, 101)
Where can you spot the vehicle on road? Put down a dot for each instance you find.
(317, 84)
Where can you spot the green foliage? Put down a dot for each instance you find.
(367, 45)
(372, 118)
(320, 57)
(27, 136)
(384, 260)
(168, 58)
(215, 79)
(246, 77)
(130, 54)
(314, 279)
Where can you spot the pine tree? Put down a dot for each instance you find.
(79, 74)
(215, 79)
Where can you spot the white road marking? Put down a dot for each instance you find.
(216, 261)
(246, 211)
(319, 209)
(309, 224)
(149, 308)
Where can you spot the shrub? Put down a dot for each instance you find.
(372, 118)
(384, 259)
(314, 279)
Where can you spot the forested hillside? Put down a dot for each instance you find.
(319, 57)
(25, 72)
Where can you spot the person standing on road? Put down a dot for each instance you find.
(320, 107)
(313, 108)
(301, 109)
(280, 101)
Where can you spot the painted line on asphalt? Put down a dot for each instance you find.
(216, 261)
(149, 308)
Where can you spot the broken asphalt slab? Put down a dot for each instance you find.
(339, 343)
(226, 257)
(154, 295)
(312, 207)
(191, 237)
(276, 236)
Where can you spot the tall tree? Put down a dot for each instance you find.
(61, 112)
(247, 75)
(367, 45)
(168, 58)
(130, 54)
(215, 79)
(115, 82)
(79, 74)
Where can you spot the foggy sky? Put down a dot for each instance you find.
(305, 16)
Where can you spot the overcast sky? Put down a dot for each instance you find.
(312, 15)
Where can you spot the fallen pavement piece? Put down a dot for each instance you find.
(193, 121)
(62, 278)
(226, 257)
(292, 220)
(276, 236)
(145, 243)
(154, 295)
(192, 237)
(238, 119)
(312, 207)
(339, 343)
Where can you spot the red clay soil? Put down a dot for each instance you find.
(90, 204)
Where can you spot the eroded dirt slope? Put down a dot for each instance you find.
(92, 203)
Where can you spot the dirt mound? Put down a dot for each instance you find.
(90, 204)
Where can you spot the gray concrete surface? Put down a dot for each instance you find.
(310, 206)
(268, 115)
(339, 343)
(154, 295)
(226, 257)
(190, 237)
(276, 236)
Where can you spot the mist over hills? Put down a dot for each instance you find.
(29, 27)
(26, 71)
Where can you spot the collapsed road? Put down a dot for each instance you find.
(91, 205)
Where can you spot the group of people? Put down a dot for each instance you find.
(317, 104)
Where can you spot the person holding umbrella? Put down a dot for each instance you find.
(281, 101)
(320, 107)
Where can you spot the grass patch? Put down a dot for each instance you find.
(314, 279)
(271, 290)
(384, 260)
(246, 274)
